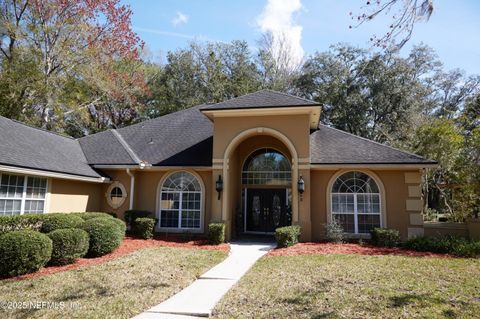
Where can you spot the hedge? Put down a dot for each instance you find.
(23, 252)
(216, 233)
(90, 215)
(60, 221)
(456, 246)
(384, 237)
(143, 227)
(105, 233)
(133, 214)
(287, 236)
(21, 222)
(68, 245)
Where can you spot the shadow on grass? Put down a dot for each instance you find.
(410, 298)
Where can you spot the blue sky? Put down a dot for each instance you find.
(165, 25)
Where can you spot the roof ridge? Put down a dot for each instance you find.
(375, 142)
(39, 128)
(290, 95)
(125, 145)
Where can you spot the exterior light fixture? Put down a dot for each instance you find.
(219, 185)
(301, 185)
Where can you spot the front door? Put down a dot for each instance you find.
(266, 210)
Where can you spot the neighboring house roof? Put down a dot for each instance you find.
(183, 138)
(261, 99)
(25, 146)
(332, 146)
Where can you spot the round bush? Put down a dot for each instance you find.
(143, 227)
(60, 221)
(90, 215)
(23, 252)
(106, 234)
(68, 245)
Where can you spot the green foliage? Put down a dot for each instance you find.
(132, 215)
(334, 232)
(216, 233)
(106, 234)
(456, 246)
(68, 245)
(90, 215)
(287, 236)
(23, 252)
(384, 237)
(21, 222)
(59, 221)
(143, 227)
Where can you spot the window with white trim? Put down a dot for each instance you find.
(180, 202)
(355, 201)
(22, 194)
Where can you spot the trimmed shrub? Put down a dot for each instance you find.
(60, 221)
(105, 233)
(133, 214)
(216, 233)
(120, 224)
(90, 215)
(384, 237)
(68, 245)
(334, 232)
(456, 246)
(23, 252)
(287, 236)
(143, 227)
(21, 222)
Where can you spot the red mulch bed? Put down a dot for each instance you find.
(127, 246)
(350, 248)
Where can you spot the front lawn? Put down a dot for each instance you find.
(120, 288)
(356, 286)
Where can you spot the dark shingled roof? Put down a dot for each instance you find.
(180, 138)
(332, 146)
(24, 146)
(261, 99)
(105, 148)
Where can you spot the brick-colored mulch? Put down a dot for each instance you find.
(348, 248)
(127, 246)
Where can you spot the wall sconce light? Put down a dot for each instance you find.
(301, 186)
(219, 185)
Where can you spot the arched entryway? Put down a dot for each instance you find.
(266, 192)
(259, 170)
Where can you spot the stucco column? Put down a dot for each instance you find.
(304, 214)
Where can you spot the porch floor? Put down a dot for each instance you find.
(199, 299)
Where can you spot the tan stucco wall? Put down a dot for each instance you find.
(147, 187)
(72, 196)
(295, 127)
(396, 199)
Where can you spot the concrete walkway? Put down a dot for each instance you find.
(199, 299)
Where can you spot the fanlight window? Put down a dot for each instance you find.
(180, 203)
(266, 167)
(356, 203)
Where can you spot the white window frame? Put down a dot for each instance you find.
(381, 192)
(355, 209)
(24, 194)
(180, 208)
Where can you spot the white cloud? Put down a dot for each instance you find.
(180, 18)
(277, 19)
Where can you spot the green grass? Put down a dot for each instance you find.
(355, 286)
(120, 288)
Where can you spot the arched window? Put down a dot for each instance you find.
(356, 203)
(180, 202)
(266, 167)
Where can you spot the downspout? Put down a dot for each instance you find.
(132, 187)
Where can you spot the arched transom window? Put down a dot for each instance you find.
(356, 203)
(180, 202)
(266, 167)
